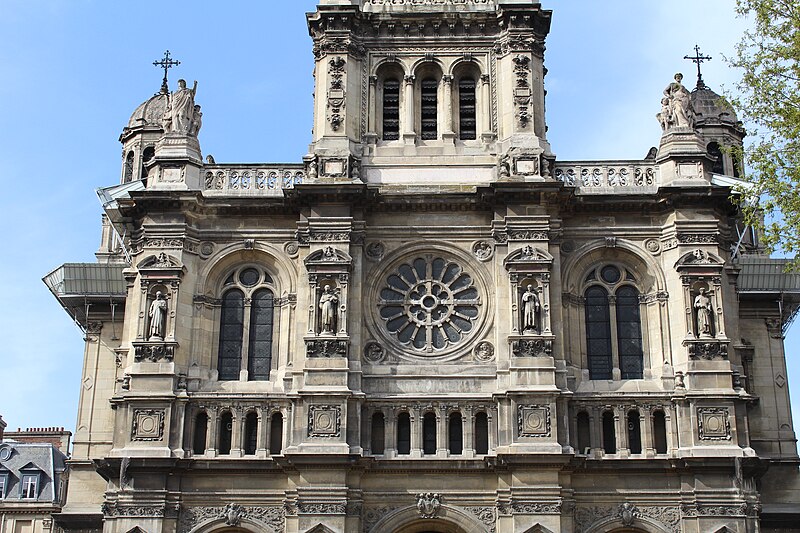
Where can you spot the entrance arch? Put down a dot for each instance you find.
(448, 520)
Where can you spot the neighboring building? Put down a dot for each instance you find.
(32, 478)
(431, 324)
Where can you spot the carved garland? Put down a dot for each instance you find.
(336, 92)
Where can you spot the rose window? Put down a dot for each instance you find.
(429, 303)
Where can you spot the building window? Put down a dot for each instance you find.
(584, 433)
(718, 166)
(466, 109)
(225, 433)
(250, 433)
(276, 434)
(200, 432)
(147, 155)
(660, 432)
(3, 484)
(481, 433)
(429, 108)
(634, 432)
(625, 320)
(391, 109)
(246, 319)
(609, 433)
(29, 486)
(455, 434)
(403, 434)
(378, 434)
(429, 434)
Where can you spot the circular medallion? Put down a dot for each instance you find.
(484, 351)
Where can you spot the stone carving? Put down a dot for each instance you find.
(434, 309)
(531, 308)
(676, 106)
(606, 176)
(324, 421)
(273, 517)
(527, 235)
(375, 251)
(373, 352)
(336, 92)
(158, 317)
(485, 515)
(692, 510)
(698, 238)
(270, 180)
(533, 421)
(653, 246)
(704, 314)
(484, 351)
(181, 115)
(713, 423)
(374, 515)
(321, 508)
(326, 348)
(536, 508)
(116, 509)
(668, 517)
(532, 348)
(522, 89)
(428, 504)
(153, 351)
(232, 513)
(328, 310)
(291, 248)
(628, 513)
(148, 425)
(680, 382)
(707, 350)
(482, 250)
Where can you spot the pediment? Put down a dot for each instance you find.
(528, 255)
(320, 528)
(700, 258)
(161, 261)
(537, 528)
(328, 256)
(137, 529)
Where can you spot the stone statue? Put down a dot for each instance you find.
(702, 305)
(681, 114)
(530, 309)
(180, 113)
(328, 302)
(158, 317)
(665, 117)
(197, 121)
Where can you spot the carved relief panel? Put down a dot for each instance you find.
(159, 280)
(701, 276)
(529, 276)
(328, 275)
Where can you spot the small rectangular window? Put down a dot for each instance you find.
(29, 485)
(466, 109)
(3, 485)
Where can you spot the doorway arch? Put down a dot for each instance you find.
(448, 520)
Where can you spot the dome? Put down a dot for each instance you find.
(710, 108)
(149, 113)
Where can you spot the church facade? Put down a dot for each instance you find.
(430, 324)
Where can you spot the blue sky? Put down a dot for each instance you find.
(74, 70)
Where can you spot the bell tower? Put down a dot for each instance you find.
(449, 92)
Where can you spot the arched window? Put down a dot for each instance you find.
(147, 155)
(276, 434)
(391, 109)
(624, 351)
(200, 431)
(378, 434)
(718, 166)
(634, 432)
(403, 434)
(128, 174)
(584, 443)
(660, 431)
(429, 434)
(246, 323)
(467, 124)
(429, 108)
(609, 433)
(455, 434)
(481, 433)
(225, 433)
(250, 433)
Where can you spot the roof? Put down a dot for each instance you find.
(765, 274)
(31, 458)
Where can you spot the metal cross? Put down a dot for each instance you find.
(698, 58)
(166, 63)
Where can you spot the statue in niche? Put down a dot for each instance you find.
(328, 302)
(702, 306)
(681, 114)
(530, 310)
(158, 317)
(181, 112)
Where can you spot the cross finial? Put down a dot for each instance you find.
(698, 58)
(166, 63)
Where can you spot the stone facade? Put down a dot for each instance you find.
(431, 324)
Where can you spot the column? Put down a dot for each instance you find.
(442, 425)
(492, 415)
(486, 107)
(408, 103)
(390, 433)
(447, 123)
(468, 422)
(621, 426)
(646, 429)
(211, 433)
(261, 434)
(416, 432)
(372, 126)
(236, 433)
(596, 430)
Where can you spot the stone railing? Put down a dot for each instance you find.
(609, 177)
(251, 180)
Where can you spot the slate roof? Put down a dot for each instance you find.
(46, 458)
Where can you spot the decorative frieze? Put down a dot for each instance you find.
(587, 517)
(319, 508)
(336, 92)
(324, 421)
(536, 507)
(601, 175)
(532, 348)
(272, 517)
(708, 350)
(533, 421)
(154, 351)
(264, 181)
(116, 509)
(326, 348)
(699, 509)
(698, 238)
(148, 425)
(527, 235)
(713, 423)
